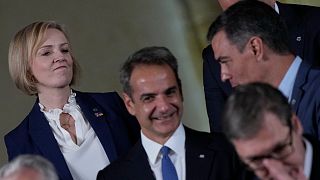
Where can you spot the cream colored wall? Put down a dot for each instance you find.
(307, 2)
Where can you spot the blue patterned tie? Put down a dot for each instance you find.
(168, 169)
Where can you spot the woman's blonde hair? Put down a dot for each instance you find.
(22, 50)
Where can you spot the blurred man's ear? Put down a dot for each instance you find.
(128, 101)
(296, 124)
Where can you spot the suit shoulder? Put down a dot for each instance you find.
(20, 131)
(207, 53)
(129, 166)
(310, 14)
(220, 142)
(300, 7)
(106, 99)
(111, 94)
(216, 140)
(115, 170)
(314, 73)
(313, 80)
(18, 139)
(195, 134)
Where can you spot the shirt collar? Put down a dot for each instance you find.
(308, 158)
(276, 8)
(68, 107)
(176, 143)
(287, 83)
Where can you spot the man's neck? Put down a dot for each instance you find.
(278, 67)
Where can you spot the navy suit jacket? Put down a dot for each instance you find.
(304, 36)
(220, 161)
(115, 128)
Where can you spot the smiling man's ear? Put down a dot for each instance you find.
(128, 101)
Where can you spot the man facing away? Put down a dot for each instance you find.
(304, 41)
(28, 167)
(167, 150)
(268, 136)
(250, 42)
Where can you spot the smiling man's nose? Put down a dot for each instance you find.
(163, 103)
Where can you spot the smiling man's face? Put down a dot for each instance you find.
(156, 101)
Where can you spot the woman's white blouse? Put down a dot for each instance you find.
(85, 158)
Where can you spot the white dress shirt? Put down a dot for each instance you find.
(276, 8)
(177, 155)
(287, 83)
(308, 158)
(85, 158)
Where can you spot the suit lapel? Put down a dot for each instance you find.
(45, 141)
(299, 88)
(198, 159)
(98, 120)
(137, 162)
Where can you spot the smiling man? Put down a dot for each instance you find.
(250, 42)
(168, 150)
(268, 136)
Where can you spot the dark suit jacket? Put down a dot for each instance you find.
(116, 130)
(220, 160)
(304, 30)
(304, 34)
(305, 99)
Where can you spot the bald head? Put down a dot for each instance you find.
(225, 4)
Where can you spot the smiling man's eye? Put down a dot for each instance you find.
(171, 91)
(147, 99)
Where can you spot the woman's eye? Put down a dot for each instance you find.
(64, 50)
(46, 53)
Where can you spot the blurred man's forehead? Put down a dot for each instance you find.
(225, 4)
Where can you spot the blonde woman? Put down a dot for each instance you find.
(80, 133)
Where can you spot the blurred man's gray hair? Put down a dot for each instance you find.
(28, 163)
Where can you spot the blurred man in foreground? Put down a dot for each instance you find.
(268, 136)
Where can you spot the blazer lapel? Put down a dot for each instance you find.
(198, 159)
(137, 162)
(299, 88)
(45, 141)
(98, 120)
